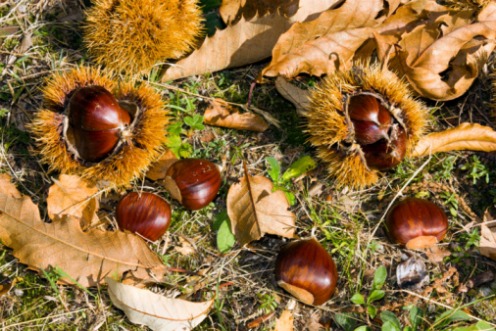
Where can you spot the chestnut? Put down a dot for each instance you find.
(416, 223)
(307, 271)
(193, 182)
(144, 213)
(386, 153)
(371, 120)
(96, 121)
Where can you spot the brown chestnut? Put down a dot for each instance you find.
(96, 121)
(193, 182)
(144, 213)
(416, 223)
(307, 271)
(371, 120)
(386, 153)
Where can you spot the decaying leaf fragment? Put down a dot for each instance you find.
(255, 210)
(86, 257)
(466, 136)
(223, 114)
(70, 195)
(247, 41)
(487, 244)
(156, 311)
(327, 43)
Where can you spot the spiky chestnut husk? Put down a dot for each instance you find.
(132, 36)
(461, 5)
(332, 133)
(142, 145)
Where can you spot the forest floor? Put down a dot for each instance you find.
(38, 38)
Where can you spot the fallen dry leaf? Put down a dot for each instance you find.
(223, 114)
(466, 136)
(285, 322)
(70, 195)
(159, 168)
(156, 311)
(326, 44)
(255, 210)
(297, 96)
(487, 244)
(86, 257)
(232, 10)
(245, 42)
(442, 58)
(7, 187)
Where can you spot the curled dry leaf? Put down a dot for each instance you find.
(245, 42)
(466, 136)
(442, 58)
(70, 195)
(232, 10)
(223, 114)
(255, 210)
(156, 311)
(327, 43)
(86, 257)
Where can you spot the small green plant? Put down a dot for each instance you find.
(296, 169)
(376, 293)
(267, 302)
(476, 169)
(225, 238)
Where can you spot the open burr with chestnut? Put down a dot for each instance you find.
(416, 223)
(363, 121)
(106, 132)
(307, 271)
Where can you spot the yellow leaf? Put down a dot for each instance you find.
(466, 136)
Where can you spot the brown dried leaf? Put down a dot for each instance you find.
(232, 10)
(87, 257)
(297, 96)
(327, 43)
(159, 168)
(487, 244)
(255, 210)
(70, 195)
(442, 58)
(466, 136)
(246, 42)
(223, 114)
(285, 322)
(156, 311)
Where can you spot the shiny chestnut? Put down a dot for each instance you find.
(307, 271)
(193, 182)
(371, 120)
(381, 137)
(96, 122)
(144, 213)
(416, 223)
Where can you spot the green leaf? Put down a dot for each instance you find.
(453, 315)
(414, 315)
(195, 122)
(390, 326)
(358, 299)
(273, 169)
(372, 311)
(389, 317)
(375, 295)
(479, 326)
(225, 238)
(380, 276)
(175, 128)
(345, 321)
(299, 167)
(362, 328)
